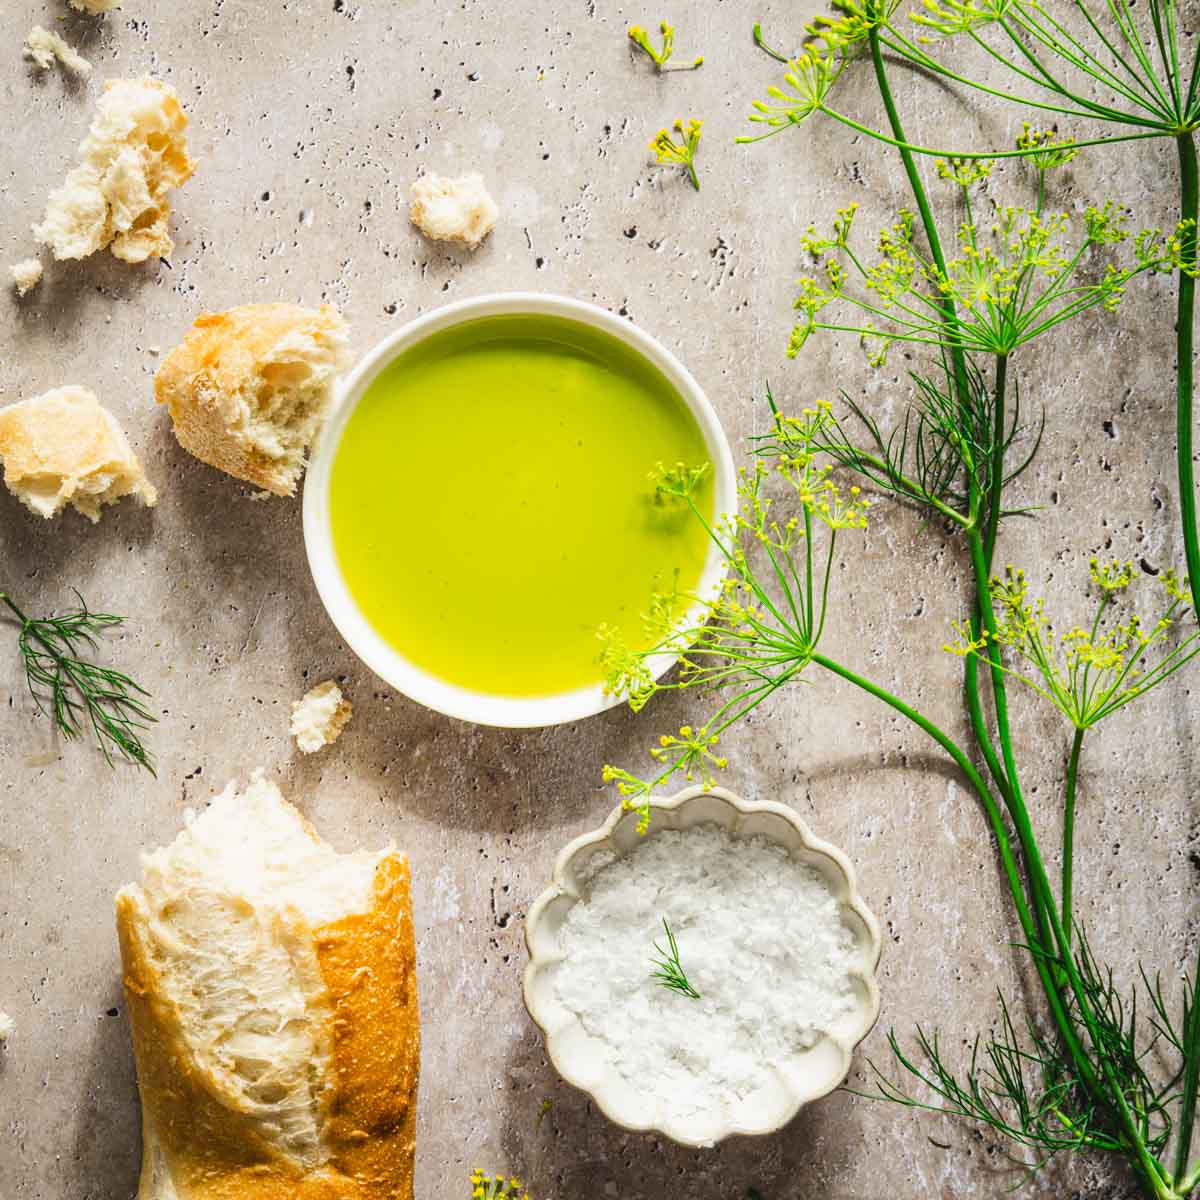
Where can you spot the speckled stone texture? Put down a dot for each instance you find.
(309, 120)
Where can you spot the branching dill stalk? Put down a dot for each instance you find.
(1084, 1085)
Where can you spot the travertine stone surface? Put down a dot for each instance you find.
(310, 119)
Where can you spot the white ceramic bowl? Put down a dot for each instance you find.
(788, 1083)
(385, 660)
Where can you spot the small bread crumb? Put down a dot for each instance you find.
(26, 275)
(453, 210)
(94, 7)
(7, 1027)
(319, 717)
(44, 48)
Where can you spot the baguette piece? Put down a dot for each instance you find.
(63, 448)
(248, 389)
(271, 985)
(94, 7)
(134, 154)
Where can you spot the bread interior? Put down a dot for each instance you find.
(284, 409)
(228, 909)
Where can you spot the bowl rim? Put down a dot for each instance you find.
(562, 885)
(513, 712)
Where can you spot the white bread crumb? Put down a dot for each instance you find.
(453, 210)
(94, 7)
(319, 717)
(7, 1027)
(134, 154)
(44, 49)
(63, 448)
(26, 274)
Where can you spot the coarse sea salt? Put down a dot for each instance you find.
(760, 937)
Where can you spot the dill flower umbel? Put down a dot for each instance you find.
(1011, 279)
(640, 38)
(498, 1187)
(810, 78)
(950, 17)
(1087, 672)
(671, 153)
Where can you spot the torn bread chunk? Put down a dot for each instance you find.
(134, 154)
(44, 48)
(271, 986)
(248, 389)
(26, 275)
(453, 210)
(7, 1027)
(64, 448)
(319, 717)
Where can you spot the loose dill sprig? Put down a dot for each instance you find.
(1026, 1087)
(640, 38)
(78, 694)
(670, 971)
(670, 153)
(497, 1187)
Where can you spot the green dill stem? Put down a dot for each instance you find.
(111, 706)
(1187, 1185)
(1101, 1084)
(762, 45)
(996, 478)
(1049, 931)
(958, 362)
(1184, 338)
(1068, 853)
(1190, 199)
(16, 612)
(934, 152)
(1062, 1019)
(964, 764)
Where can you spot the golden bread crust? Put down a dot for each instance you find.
(223, 363)
(212, 1149)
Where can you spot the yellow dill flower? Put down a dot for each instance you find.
(681, 153)
(809, 78)
(964, 171)
(497, 1187)
(1045, 149)
(1111, 577)
(949, 17)
(640, 38)
(1091, 670)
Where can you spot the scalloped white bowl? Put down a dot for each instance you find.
(787, 1084)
